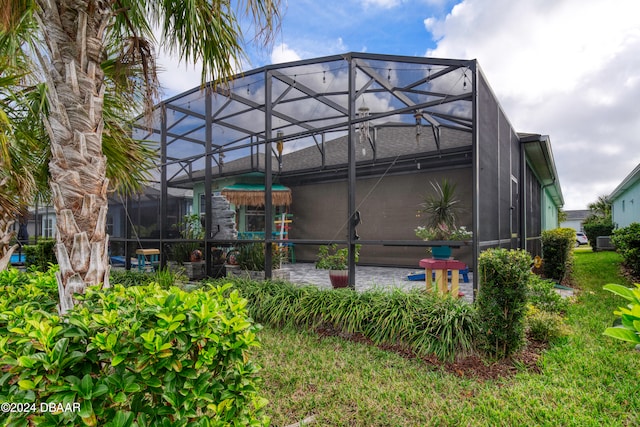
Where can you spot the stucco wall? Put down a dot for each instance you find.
(626, 207)
(389, 210)
(549, 212)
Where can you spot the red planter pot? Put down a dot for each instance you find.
(339, 278)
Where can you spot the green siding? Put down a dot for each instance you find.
(549, 212)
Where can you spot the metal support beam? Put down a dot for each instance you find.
(164, 192)
(351, 175)
(208, 208)
(476, 177)
(268, 179)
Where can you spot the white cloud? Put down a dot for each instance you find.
(384, 4)
(177, 78)
(283, 53)
(569, 69)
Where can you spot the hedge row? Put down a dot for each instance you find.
(140, 354)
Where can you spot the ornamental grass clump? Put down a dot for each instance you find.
(424, 323)
(502, 299)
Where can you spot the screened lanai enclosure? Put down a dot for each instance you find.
(340, 149)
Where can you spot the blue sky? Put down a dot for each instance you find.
(566, 68)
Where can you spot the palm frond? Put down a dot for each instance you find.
(442, 206)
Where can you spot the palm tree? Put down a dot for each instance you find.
(24, 145)
(79, 36)
(20, 153)
(601, 208)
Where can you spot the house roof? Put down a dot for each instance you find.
(388, 141)
(540, 157)
(577, 215)
(307, 102)
(629, 181)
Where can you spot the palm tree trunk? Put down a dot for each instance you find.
(6, 234)
(74, 33)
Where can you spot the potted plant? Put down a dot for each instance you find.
(336, 261)
(250, 260)
(442, 207)
(188, 253)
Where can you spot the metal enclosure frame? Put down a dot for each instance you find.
(225, 130)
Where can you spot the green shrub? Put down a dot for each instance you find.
(544, 326)
(40, 256)
(595, 227)
(543, 296)
(628, 328)
(330, 257)
(557, 252)
(139, 355)
(501, 303)
(33, 291)
(425, 323)
(164, 277)
(627, 243)
(252, 257)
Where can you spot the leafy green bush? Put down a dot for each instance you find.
(252, 257)
(33, 291)
(543, 296)
(627, 243)
(139, 355)
(595, 227)
(40, 256)
(332, 258)
(557, 252)
(545, 326)
(164, 277)
(425, 323)
(501, 303)
(629, 327)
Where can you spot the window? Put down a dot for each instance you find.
(254, 218)
(48, 226)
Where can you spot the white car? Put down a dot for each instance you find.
(581, 239)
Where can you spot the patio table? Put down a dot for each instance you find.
(441, 267)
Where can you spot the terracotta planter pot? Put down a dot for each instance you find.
(339, 278)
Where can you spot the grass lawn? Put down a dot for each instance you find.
(586, 380)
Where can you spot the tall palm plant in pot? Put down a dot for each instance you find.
(443, 208)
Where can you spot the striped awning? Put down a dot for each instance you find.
(253, 194)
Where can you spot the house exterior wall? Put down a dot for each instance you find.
(549, 212)
(575, 224)
(533, 212)
(625, 207)
(389, 208)
(498, 175)
(575, 218)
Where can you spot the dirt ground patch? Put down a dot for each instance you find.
(471, 366)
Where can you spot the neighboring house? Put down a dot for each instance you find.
(40, 223)
(348, 145)
(575, 219)
(625, 200)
